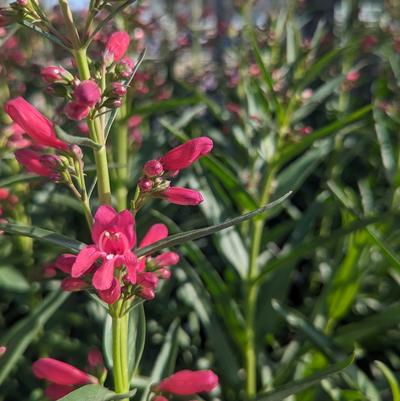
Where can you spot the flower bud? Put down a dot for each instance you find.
(182, 196)
(189, 382)
(76, 111)
(72, 284)
(153, 168)
(3, 350)
(95, 358)
(53, 162)
(145, 185)
(22, 3)
(164, 273)
(53, 74)
(87, 93)
(118, 89)
(125, 67)
(147, 293)
(116, 47)
(167, 259)
(37, 126)
(31, 160)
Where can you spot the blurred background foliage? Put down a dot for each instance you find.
(298, 96)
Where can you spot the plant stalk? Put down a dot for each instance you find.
(120, 354)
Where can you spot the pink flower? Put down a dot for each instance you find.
(37, 126)
(71, 284)
(63, 378)
(87, 93)
(182, 196)
(113, 236)
(76, 111)
(118, 89)
(117, 45)
(189, 382)
(59, 372)
(155, 233)
(33, 163)
(186, 154)
(3, 350)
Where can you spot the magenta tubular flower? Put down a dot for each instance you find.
(87, 93)
(64, 262)
(113, 236)
(189, 382)
(125, 67)
(75, 111)
(71, 284)
(186, 154)
(35, 124)
(59, 372)
(33, 163)
(117, 45)
(182, 196)
(153, 168)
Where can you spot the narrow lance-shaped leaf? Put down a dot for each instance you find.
(77, 140)
(301, 385)
(191, 235)
(43, 235)
(391, 378)
(95, 392)
(75, 246)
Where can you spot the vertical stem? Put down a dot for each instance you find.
(120, 355)
(97, 134)
(252, 290)
(121, 148)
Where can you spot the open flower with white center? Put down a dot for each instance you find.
(114, 236)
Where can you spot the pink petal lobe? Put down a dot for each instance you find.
(84, 261)
(125, 224)
(103, 278)
(103, 219)
(155, 233)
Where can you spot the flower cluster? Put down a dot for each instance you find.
(157, 173)
(109, 265)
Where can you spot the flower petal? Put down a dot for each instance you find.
(103, 219)
(111, 295)
(125, 224)
(103, 278)
(84, 261)
(155, 233)
(59, 372)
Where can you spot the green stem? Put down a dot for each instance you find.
(120, 355)
(97, 134)
(252, 290)
(121, 147)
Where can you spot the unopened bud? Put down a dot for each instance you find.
(153, 168)
(145, 185)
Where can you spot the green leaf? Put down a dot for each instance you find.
(113, 113)
(47, 35)
(136, 338)
(300, 385)
(385, 144)
(95, 392)
(42, 234)
(18, 337)
(77, 140)
(293, 150)
(317, 98)
(12, 280)
(387, 251)
(165, 362)
(191, 235)
(18, 178)
(391, 378)
(354, 377)
(309, 246)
